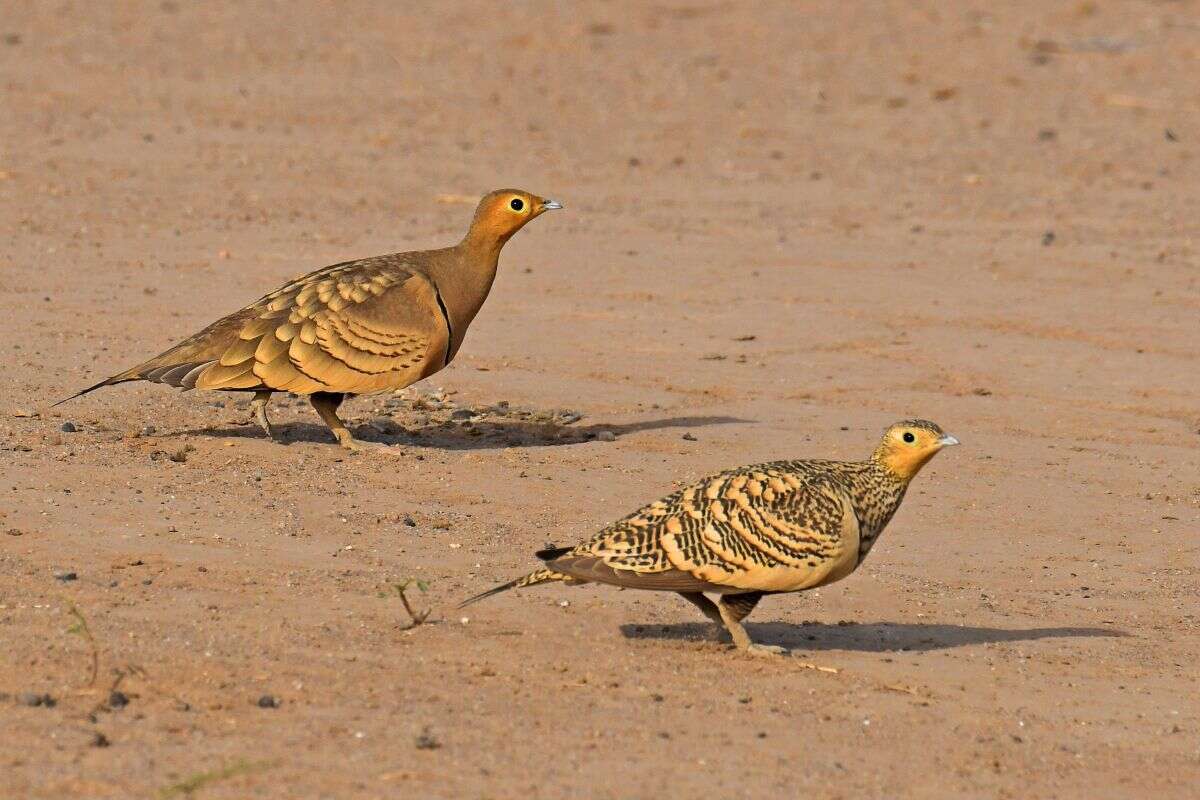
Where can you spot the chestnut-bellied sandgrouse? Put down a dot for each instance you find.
(785, 526)
(359, 327)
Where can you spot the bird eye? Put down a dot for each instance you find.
(908, 437)
(517, 204)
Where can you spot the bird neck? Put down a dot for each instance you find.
(879, 492)
(484, 238)
(464, 279)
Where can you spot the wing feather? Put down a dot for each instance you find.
(354, 328)
(762, 527)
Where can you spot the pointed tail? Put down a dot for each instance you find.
(115, 379)
(538, 576)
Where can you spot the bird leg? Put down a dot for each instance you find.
(707, 607)
(326, 405)
(259, 406)
(735, 608)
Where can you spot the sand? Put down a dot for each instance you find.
(787, 225)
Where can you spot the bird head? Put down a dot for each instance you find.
(908, 445)
(503, 212)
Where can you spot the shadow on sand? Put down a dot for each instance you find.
(871, 637)
(471, 435)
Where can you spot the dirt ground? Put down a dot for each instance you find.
(787, 225)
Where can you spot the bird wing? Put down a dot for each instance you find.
(359, 327)
(766, 528)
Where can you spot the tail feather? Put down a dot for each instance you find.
(181, 375)
(538, 576)
(115, 379)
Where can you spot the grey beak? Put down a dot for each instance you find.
(947, 440)
(550, 205)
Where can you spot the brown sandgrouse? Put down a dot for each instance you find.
(785, 526)
(359, 327)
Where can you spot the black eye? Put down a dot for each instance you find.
(908, 437)
(517, 204)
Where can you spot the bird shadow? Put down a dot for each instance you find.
(483, 434)
(872, 637)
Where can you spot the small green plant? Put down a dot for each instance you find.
(193, 783)
(80, 627)
(401, 588)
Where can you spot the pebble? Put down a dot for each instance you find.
(118, 700)
(268, 701)
(65, 575)
(427, 741)
(606, 436)
(409, 521)
(35, 699)
(687, 437)
(100, 740)
(462, 413)
(148, 430)
(68, 427)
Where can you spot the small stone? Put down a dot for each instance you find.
(68, 427)
(34, 699)
(409, 521)
(100, 740)
(268, 701)
(427, 741)
(687, 437)
(65, 575)
(1048, 238)
(461, 414)
(606, 436)
(118, 700)
(15, 532)
(148, 430)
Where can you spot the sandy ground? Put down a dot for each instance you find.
(787, 225)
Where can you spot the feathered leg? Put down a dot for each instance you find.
(326, 405)
(733, 609)
(259, 406)
(707, 607)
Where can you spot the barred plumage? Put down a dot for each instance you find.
(783, 526)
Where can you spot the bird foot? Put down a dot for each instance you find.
(767, 650)
(359, 446)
